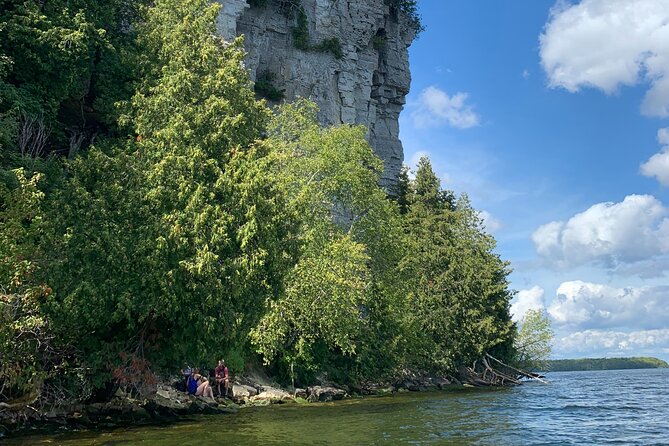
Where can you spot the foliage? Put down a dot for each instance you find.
(194, 224)
(533, 342)
(459, 292)
(587, 364)
(265, 87)
(65, 64)
(171, 235)
(24, 338)
(410, 9)
(332, 45)
(302, 40)
(379, 42)
(330, 309)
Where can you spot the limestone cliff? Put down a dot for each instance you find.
(366, 83)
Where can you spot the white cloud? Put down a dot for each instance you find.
(612, 343)
(435, 107)
(491, 224)
(532, 299)
(608, 43)
(645, 269)
(590, 305)
(526, 74)
(658, 164)
(611, 234)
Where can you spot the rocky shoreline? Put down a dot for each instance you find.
(168, 405)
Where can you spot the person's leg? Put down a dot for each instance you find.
(200, 388)
(226, 387)
(209, 392)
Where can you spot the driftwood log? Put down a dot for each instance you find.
(490, 371)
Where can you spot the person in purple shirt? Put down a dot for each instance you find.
(221, 376)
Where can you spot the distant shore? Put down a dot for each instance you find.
(588, 364)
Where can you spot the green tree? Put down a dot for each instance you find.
(65, 63)
(337, 301)
(23, 328)
(171, 236)
(533, 342)
(427, 191)
(459, 292)
(402, 191)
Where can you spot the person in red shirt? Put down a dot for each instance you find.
(221, 372)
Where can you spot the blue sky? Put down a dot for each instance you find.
(554, 118)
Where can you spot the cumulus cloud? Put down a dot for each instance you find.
(608, 43)
(645, 269)
(611, 234)
(588, 305)
(491, 224)
(658, 164)
(525, 300)
(612, 343)
(435, 107)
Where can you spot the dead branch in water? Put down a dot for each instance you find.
(483, 374)
(520, 372)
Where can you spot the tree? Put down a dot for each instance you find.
(64, 64)
(402, 191)
(24, 341)
(170, 236)
(335, 310)
(458, 288)
(533, 342)
(427, 189)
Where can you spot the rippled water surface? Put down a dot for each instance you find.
(628, 407)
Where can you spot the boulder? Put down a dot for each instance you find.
(301, 393)
(167, 401)
(240, 392)
(324, 394)
(272, 395)
(243, 392)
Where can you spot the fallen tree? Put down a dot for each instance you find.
(490, 371)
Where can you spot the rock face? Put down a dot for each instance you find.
(366, 83)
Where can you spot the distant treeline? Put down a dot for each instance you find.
(571, 365)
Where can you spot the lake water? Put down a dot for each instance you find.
(629, 407)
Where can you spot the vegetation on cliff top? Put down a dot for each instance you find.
(159, 214)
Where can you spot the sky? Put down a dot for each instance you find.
(554, 118)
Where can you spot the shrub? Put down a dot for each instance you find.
(332, 45)
(301, 32)
(265, 87)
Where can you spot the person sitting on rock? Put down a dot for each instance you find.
(203, 387)
(185, 372)
(191, 382)
(221, 376)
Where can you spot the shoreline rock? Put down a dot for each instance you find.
(168, 405)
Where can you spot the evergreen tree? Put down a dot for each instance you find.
(171, 236)
(403, 190)
(427, 189)
(459, 291)
(63, 65)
